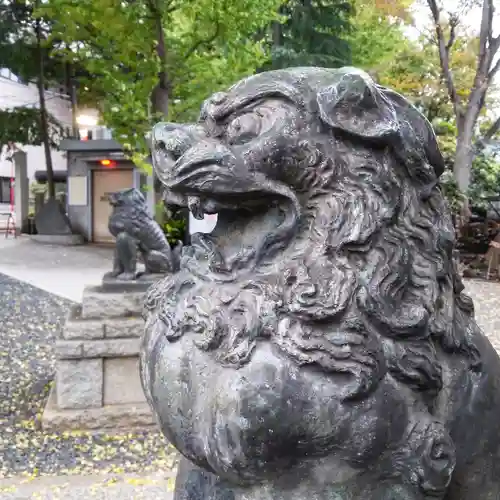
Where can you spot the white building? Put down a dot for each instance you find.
(15, 93)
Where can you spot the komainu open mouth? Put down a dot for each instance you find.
(253, 223)
(212, 189)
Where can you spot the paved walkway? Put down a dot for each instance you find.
(60, 270)
(486, 296)
(116, 487)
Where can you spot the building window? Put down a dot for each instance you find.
(5, 189)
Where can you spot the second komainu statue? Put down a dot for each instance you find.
(136, 232)
(318, 344)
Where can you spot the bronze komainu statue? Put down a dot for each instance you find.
(136, 231)
(318, 344)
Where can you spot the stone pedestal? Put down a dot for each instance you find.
(21, 188)
(97, 382)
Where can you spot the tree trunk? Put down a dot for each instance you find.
(466, 124)
(464, 156)
(277, 34)
(161, 93)
(70, 84)
(462, 167)
(74, 110)
(43, 115)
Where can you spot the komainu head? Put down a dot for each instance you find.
(130, 198)
(324, 317)
(130, 213)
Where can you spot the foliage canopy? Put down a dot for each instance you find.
(206, 46)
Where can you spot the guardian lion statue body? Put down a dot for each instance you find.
(318, 344)
(136, 231)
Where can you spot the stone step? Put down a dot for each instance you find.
(97, 348)
(79, 328)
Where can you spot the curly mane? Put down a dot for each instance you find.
(386, 257)
(367, 284)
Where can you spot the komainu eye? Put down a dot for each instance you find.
(244, 128)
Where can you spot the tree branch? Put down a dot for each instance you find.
(495, 43)
(493, 130)
(494, 70)
(172, 9)
(444, 55)
(489, 134)
(488, 46)
(453, 34)
(485, 56)
(486, 23)
(201, 42)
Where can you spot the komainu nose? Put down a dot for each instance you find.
(170, 141)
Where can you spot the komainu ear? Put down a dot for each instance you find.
(140, 196)
(137, 196)
(353, 104)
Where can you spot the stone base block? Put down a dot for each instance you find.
(142, 282)
(99, 303)
(122, 381)
(79, 383)
(78, 328)
(115, 418)
(90, 383)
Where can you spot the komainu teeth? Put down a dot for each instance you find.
(194, 205)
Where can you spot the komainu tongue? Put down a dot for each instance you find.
(194, 205)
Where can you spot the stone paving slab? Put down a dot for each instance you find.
(61, 270)
(486, 296)
(116, 487)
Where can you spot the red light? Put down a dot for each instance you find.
(108, 163)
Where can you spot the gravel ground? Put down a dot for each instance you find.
(30, 320)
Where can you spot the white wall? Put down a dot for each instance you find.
(14, 94)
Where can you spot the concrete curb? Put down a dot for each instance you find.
(58, 239)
